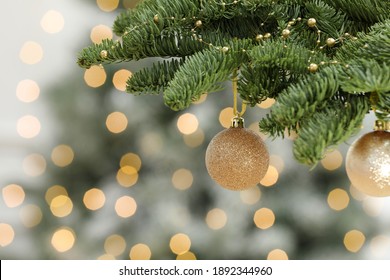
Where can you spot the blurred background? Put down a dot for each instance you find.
(90, 172)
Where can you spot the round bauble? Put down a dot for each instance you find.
(237, 158)
(368, 163)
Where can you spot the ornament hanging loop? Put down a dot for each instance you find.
(235, 97)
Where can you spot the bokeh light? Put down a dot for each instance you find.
(264, 218)
(116, 122)
(94, 199)
(250, 196)
(95, 76)
(187, 256)
(277, 254)
(380, 246)
(125, 206)
(27, 91)
(129, 4)
(106, 257)
(63, 239)
(180, 243)
(182, 179)
(266, 103)
(354, 240)
(131, 159)
(115, 245)
(195, 139)
(120, 78)
(187, 123)
(216, 218)
(28, 126)
(271, 177)
(373, 206)
(53, 192)
(52, 22)
(225, 117)
(332, 160)
(31, 53)
(201, 99)
(31, 215)
(277, 162)
(127, 176)
(100, 32)
(7, 234)
(338, 199)
(61, 206)
(34, 165)
(140, 251)
(13, 195)
(62, 155)
(107, 5)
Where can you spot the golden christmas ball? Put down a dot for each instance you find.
(237, 158)
(311, 22)
(368, 163)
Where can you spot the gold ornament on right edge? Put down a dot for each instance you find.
(368, 161)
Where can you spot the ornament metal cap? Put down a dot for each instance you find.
(237, 122)
(382, 125)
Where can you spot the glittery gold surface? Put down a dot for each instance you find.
(368, 163)
(237, 158)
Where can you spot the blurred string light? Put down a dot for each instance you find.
(119, 79)
(354, 240)
(95, 76)
(140, 251)
(61, 206)
(187, 123)
(250, 196)
(62, 155)
(180, 243)
(373, 206)
(277, 254)
(63, 239)
(116, 122)
(201, 99)
(131, 159)
(271, 177)
(107, 5)
(195, 139)
(264, 218)
(28, 126)
(100, 32)
(53, 192)
(332, 160)
(380, 246)
(115, 245)
(31, 53)
(338, 199)
(216, 219)
(186, 256)
(34, 165)
(127, 176)
(27, 91)
(182, 179)
(52, 22)
(13, 195)
(266, 103)
(106, 257)
(7, 234)
(225, 117)
(31, 215)
(125, 206)
(94, 199)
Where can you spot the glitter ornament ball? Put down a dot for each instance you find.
(237, 158)
(368, 163)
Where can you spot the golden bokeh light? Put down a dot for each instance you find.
(187, 123)
(62, 155)
(131, 159)
(356, 194)
(120, 78)
(380, 246)
(115, 245)
(94, 199)
(182, 179)
(216, 219)
(31, 53)
(129, 4)
(53, 192)
(277, 254)
(95, 76)
(225, 117)
(107, 5)
(180, 243)
(201, 99)
(27, 91)
(332, 160)
(63, 239)
(250, 196)
(373, 206)
(140, 251)
(28, 126)
(7, 234)
(195, 139)
(271, 177)
(61, 206)
(100, 32)
(34, 165)
(52, 22)
(354, 240)
(106, 257)
(31, 215)
(190, 256)
(338, 199)
(116, 122)
(125, 206)
(277, 162)
(127, 176)
(264, 218)
(13, 195)
(266, 103)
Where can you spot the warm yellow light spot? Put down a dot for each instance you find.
(271, 177)
(63, 239)
(107, 5)
(95, 76)
(127, 176)
(277, 254)
(28, 126)
(34, 165)
(31, 215)
(338, 199)
(131, 159)
(264, 218)
(202, 99)
(216, 218)
(180, 243)
(62, 155)
(53, 192)
(250, 196)
(27, 91)
(277, 162)
(116, 122)
(195, 139)
(115, 245)
(151, 144)
(61, 206)
(373, 206)
(31, 53)
(129, 4)
(7, 234)
(266, 103)
(120, 78)
(332, 160)
(13, 195)
(125, 206)
(354, 240)
(100, 32)
(380, 246)
(140, 251)
(356, 194)
(187, 123)
(186, 256)
(94, 199)
(225, 117)
(182, 179)
(106, 257)
(52, 22)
